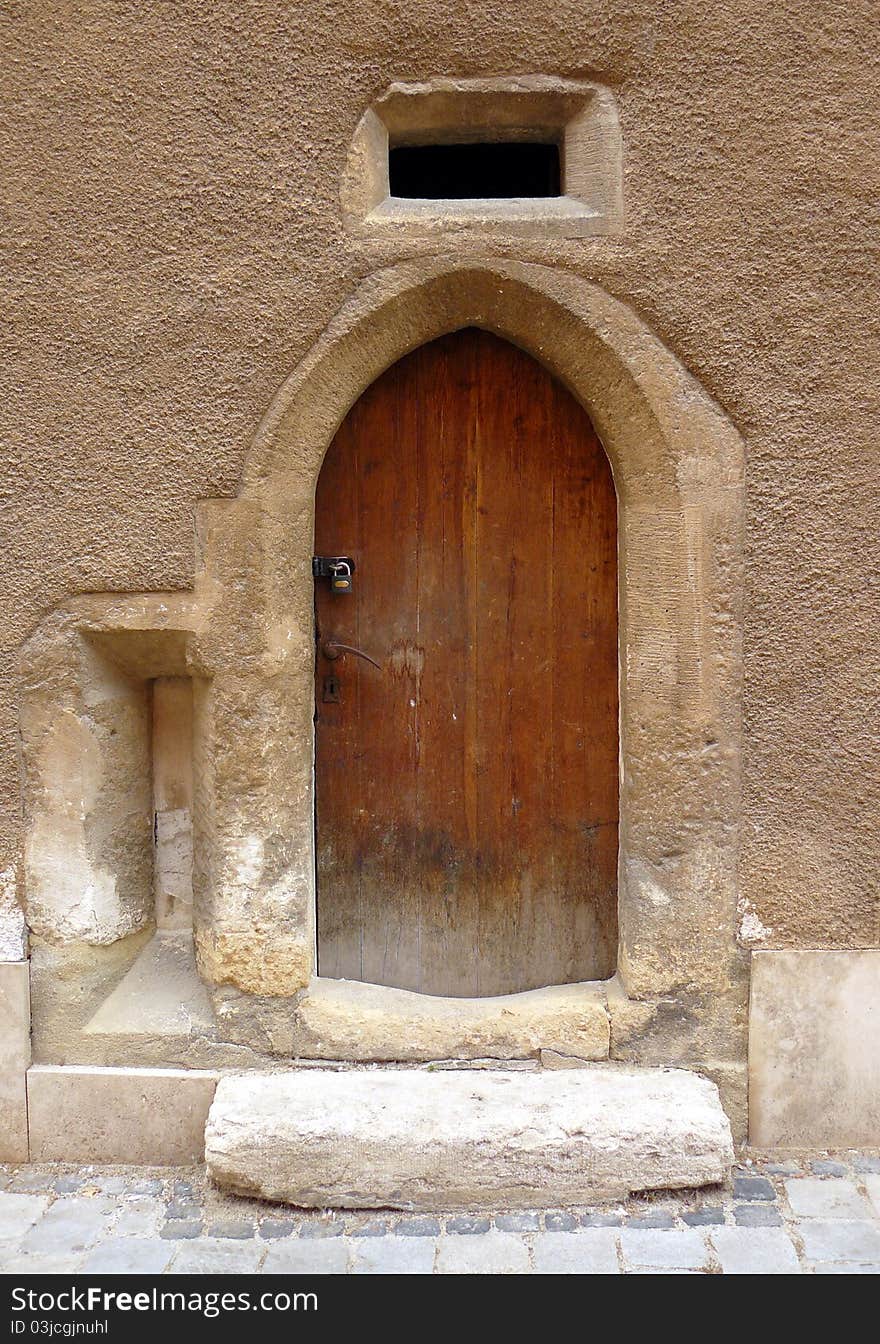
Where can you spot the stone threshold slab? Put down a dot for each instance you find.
(465, 1140)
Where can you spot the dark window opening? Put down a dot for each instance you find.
(469, 172)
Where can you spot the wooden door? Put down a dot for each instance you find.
(467, 792)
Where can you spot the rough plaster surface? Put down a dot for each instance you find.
(13, 937)
(175, 243)
(814, 1049)
(371, 1140)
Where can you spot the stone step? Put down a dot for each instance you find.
(413, 1139)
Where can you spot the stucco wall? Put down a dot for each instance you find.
(175, 245)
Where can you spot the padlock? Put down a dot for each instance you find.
(340, 577)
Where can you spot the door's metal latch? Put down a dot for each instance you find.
(332, 649)
(337, 568)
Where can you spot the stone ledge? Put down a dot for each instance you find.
(419, 1140)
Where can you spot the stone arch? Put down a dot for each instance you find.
(678, 465)
(647, 409)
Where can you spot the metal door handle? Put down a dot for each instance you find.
(332, 649)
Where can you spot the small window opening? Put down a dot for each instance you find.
(496, 170)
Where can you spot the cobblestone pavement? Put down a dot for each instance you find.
(817, 1216)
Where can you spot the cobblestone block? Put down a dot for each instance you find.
(68, 1185)
(757, 1215)
(394, 1255)
(369, 1227)
(212, 1255)
(30, 1182)
(489, 1253)
(812, 1197)
(655, 1218)
(319, 1228)
(150, 1186)
(586, 1251)
(660, 1248)
(139, 1218)
(463, 1224)
(754, 1250)
(18, 1213)
(560, 1222)
(524, 1221)
(181, 1229)
(418, 1226)
(67, 1226)
(314, 1255)
(708, 1217)
(825, 1167)
(236, 1229)
(129, 1255)
(753, 1187)
(182, 1209)
(272, 1229)
(838, 1240)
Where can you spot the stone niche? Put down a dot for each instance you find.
(168, 739)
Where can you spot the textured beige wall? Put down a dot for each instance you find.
(175, 245)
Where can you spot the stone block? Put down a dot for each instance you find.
(318, 1255)
(15, 1056)
(129, 1255)
(872, 1185)
(810, 1197)
(591, 1251)
(418, 1140)
(13, 1118)
(15, 1017)
(18, 1213)
(211, 1255)
(664, 1248)
(754, 1250)
(350, 1020)
(148, 1116)
(814, 1049)
(491, 1253)
(69, 1226)
(394, 1255)
(840, 1240)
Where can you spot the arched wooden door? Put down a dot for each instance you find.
(467, 789)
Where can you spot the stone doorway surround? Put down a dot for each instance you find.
(245, 638)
